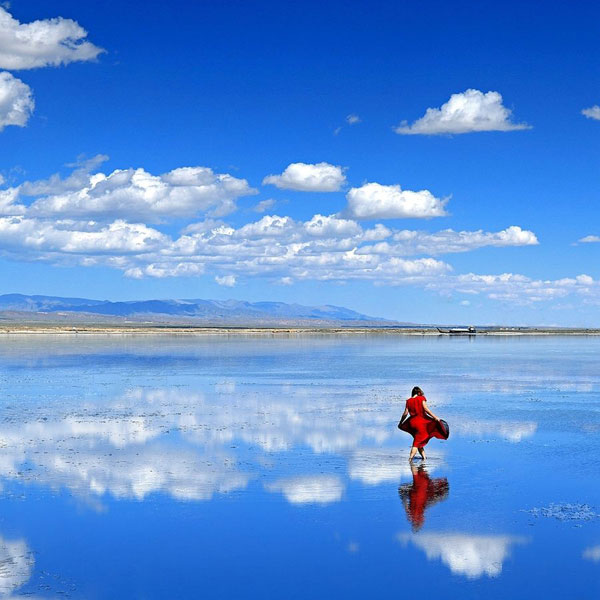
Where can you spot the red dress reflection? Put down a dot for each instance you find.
(422, 493)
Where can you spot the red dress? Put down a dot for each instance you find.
(419, 425)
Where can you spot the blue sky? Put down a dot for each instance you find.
(192, 105)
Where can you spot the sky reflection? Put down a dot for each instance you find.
(190, 445)
(192, 452)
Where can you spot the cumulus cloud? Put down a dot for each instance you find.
(279, 248)
(135, 194)
(472, 556)
(465, 112)
(16, 101)
(21, 234)
(353, 119)
(323, 248)
(376, 201)
(42, 43)
(312, 489)
(303, 177)
(590, 239)
(593, 112)
(94, 219)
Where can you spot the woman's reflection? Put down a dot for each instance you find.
(419, 495)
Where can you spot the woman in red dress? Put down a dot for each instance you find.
(422, 423)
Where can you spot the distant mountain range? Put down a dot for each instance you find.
(214, 312)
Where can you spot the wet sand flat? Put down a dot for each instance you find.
(253, 466)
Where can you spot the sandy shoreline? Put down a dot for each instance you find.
(135, 329)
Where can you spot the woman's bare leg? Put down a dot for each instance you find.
(422, 452)
(413, 451)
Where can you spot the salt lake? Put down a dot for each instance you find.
(272, 467)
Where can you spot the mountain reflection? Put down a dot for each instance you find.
(422, 493)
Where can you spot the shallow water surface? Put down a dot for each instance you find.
(271, 467)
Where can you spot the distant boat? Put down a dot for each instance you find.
(458, 330)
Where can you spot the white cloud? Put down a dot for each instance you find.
(376, 201)
(226, 280)
(333, 227)
(465, 112)
(79, 178)
(42, 43)
(303, 177)
(21, 234)
(590, 239)
(593, 112)
(16, 101)
(317, 489)
(353, 119)
(136, 194)
(472, 556)
(91, 219)
(324, 248)
(264, 205)
(517, 289)
(411, 243)
(9, 202)
(161, 270)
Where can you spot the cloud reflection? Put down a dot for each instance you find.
(511, 431)
(320, 489)
(373, 466)
(122, 449)
(472, 556)
(191, 445)
(592, 553)
(16, 565)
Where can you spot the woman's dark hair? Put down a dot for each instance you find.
(417, 391)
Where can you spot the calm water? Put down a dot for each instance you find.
(273, 468)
